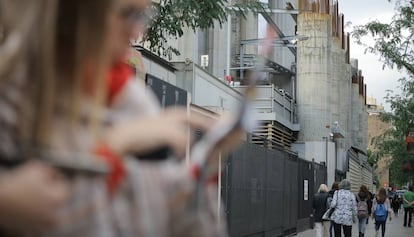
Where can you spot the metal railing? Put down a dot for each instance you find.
(270, 99)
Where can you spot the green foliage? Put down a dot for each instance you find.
(394, 43)
(392, 142)
(173, 16)
(372, 158)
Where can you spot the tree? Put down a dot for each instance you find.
(372, 158)
(392, 142)
(172, 16)
(394, 43)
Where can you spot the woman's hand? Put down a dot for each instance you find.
(30, 197)
(168, 129)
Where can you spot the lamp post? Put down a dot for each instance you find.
(326, 158)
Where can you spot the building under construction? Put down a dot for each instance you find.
(312, 97)
(311, 104)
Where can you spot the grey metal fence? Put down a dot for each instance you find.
(261, 194)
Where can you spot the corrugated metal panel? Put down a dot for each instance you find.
(354, 175)
(367, 178)
(359, 173)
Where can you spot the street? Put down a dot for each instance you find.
(394, 228)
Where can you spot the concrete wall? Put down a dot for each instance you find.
(187, 45)
(325, 93)
(355, 114)
(206, 90)
(212, 92)
(359, 126)
(314, 76)
(159, 71)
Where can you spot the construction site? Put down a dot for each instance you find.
(310, 104)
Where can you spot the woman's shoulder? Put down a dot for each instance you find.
(363, 195)
(320, 195)
(136, 97)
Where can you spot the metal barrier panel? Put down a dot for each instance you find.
(245, 184)
(290, 194)
(256, 181)
(275, 175)
(306, 187)
(261, 194)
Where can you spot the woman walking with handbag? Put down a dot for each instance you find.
(334, 188)
(345, 209)
(319, 207)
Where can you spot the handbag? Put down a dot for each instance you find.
(327, 215)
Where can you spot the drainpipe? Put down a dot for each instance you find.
(326, 158)
(228, 44)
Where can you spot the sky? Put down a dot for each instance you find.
(378, 80)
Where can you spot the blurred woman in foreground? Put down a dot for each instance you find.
(64, 90)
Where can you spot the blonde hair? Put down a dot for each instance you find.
(323, 188)
(52, 40)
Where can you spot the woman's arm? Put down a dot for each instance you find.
(374, 205)
(146, 134)
(354, 206)
(389, 209)
(334, 199)
(30, 198)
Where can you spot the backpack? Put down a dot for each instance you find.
(362, 208)
(380, 212)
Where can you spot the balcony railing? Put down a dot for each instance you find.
(272, 103)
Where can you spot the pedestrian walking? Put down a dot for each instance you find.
(362, 206)
(320, 201)
(334, 188)
(395, 204)
(369, 202)
(345, 212)
(381, 209)
(408, 204)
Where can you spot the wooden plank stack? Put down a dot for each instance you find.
(273, 136)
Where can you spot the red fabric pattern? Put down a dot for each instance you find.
(116, 167)
(195, 171)
(118, 76)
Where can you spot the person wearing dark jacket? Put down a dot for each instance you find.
(363, 207)
(369, 202)
(320, 207)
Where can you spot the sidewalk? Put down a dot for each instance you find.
(394, 228)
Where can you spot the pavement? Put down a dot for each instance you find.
(394, 228)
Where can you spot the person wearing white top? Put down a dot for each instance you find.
(345, 212)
